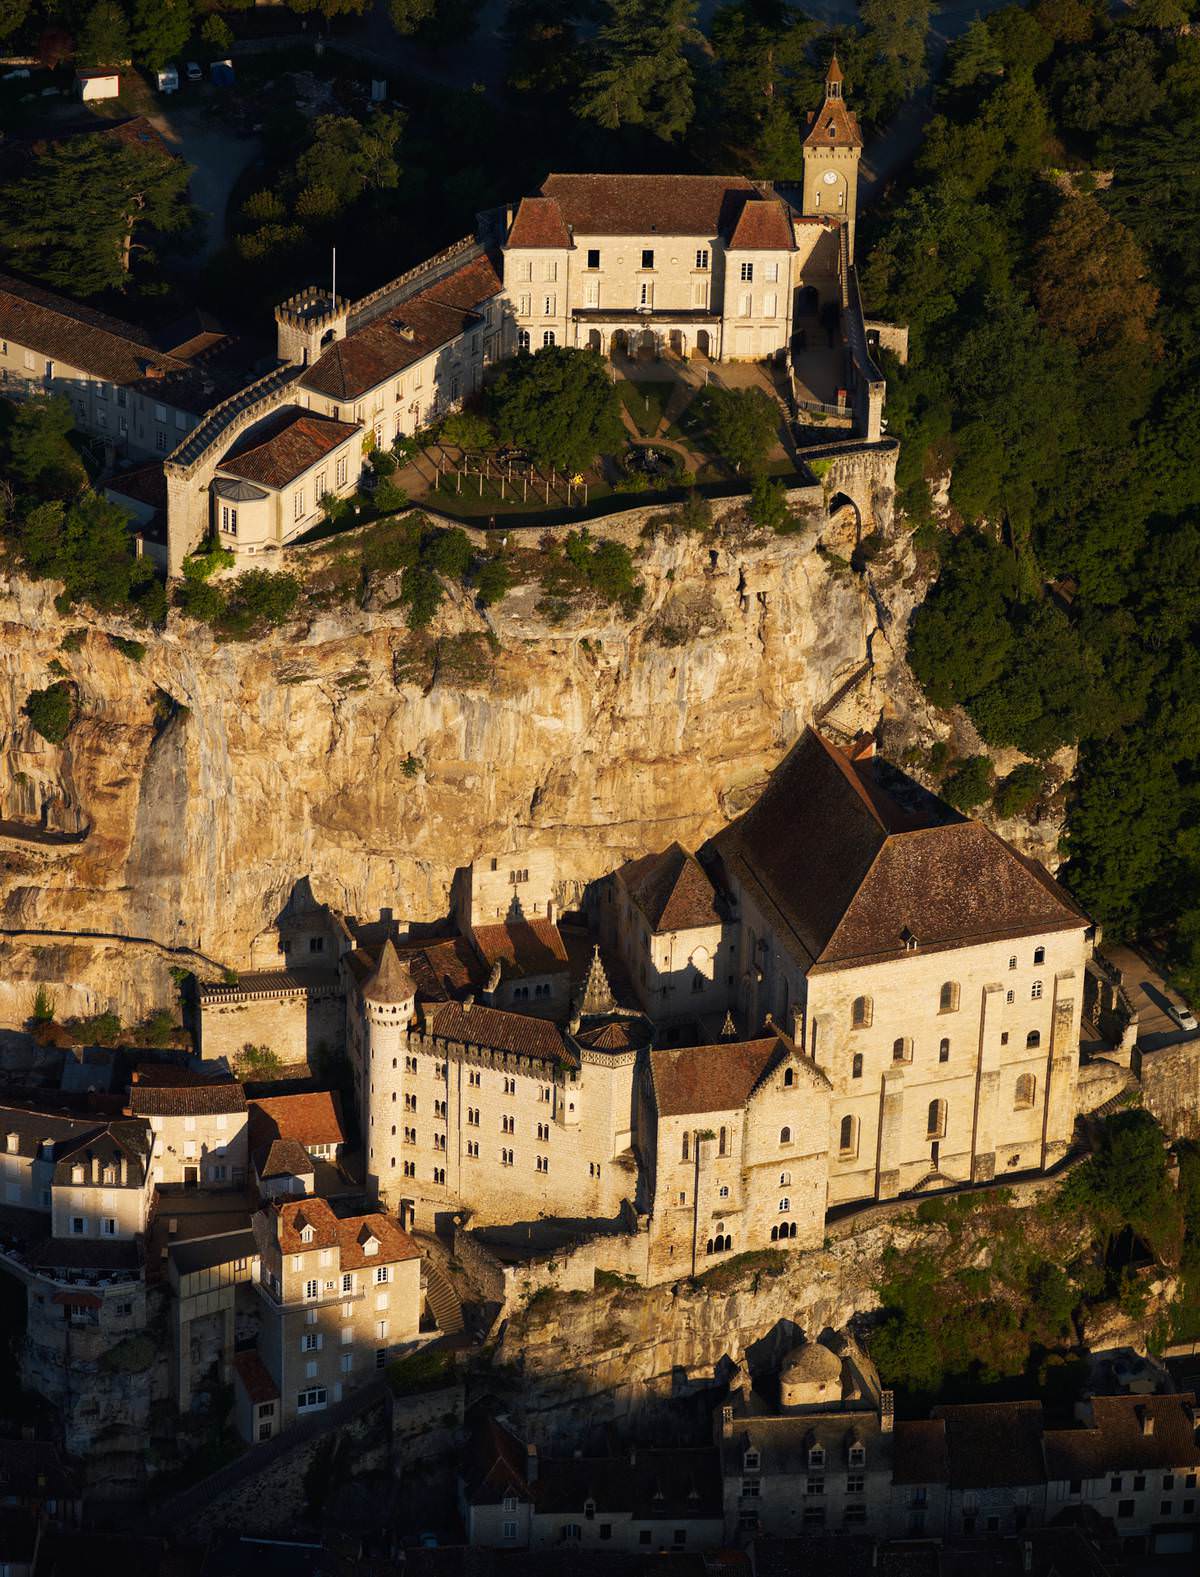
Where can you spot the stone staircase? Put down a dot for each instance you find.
(443, 1301)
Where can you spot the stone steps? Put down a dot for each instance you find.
(443, 1301)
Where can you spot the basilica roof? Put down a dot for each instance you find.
(522, 947)
(470, 1024)
(688, 1080)
(848, 875)
(671, 890)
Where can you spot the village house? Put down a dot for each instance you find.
(269, 488)
(200, 1132)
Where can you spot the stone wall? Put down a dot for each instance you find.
(1171, 1087)
(291, 1024)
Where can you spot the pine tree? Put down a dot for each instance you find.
(161, 29)
(104, 37)
(642, 77)
(779, 151)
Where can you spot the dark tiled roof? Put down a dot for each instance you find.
(270, 980)
(127, 1138)
(694, 1079)
(647, 205)
(672, 1483)
(497, 1030)
(218, 1248)
(672, 890)
(762, 226)
(298, 440)
(255, 1378)
(34, 1128)
(847, 870)
(403, 334)
(833, 126)
(619, 1034)
(87, 1254)
(146, 485)
(77, 335)
(539, 222)
(1115, 1442)
(311, 1118)
(523, 947)
(444, 968)
(391, 981)
(495, 1465)
(283, 1158)
(193, 1100)
(991, 1445)
(920, 1452)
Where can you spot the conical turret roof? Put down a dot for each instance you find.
(391, 981)
(597, 993)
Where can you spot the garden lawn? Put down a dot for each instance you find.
(646, 402)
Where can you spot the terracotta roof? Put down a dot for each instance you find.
(445, 967)
(137, 133)
(1114, 1442)
(298, 440)
(498, 1031)
(834, 74)
(79, 336)
(495, 1465)
(846, 870)
(313, 1118)
(993, 1444)
(523, 947)
(189, 1100)
(671, 890)
(404, 333)
(920, 1452)
(616, 1035)
(392, 981)
(283, 1158)
(833, 126)
(539, 222)
(647, 205)
(762, 226)
(256, 1381)
(348, 1234)
(693, 1079)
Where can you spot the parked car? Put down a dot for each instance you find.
(194, 73)
(1184, 1017)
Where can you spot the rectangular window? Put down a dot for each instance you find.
(770, 304)
(160, 412)
(647, 258)
(700, 293)
(77, 1225)
(381, 1274)
(548, 305)
(298, 506)
(593, 257)
(309, 1400)
(747, 273)
(108, 1227)
(646, 295)
(592, 293)
(322, 485)
(311, 1289)
(160, 441)
(701, 257)
(771, 273)
(348, 1282)
(340, 471)
(746, 305)
(310, 1342)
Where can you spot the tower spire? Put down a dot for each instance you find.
(597, 993)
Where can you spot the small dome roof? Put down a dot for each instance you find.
(812, 1364)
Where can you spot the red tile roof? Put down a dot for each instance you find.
(404, 333)
(845, 870)
(189, 1100)
(646, 205)
(79, 336)
(538, 223)
(993, 1444)
(523, 947)
(762, 226)
(833, 126)
(692, 1079)
(496, 1030)
(256, 1381)
(1115, 1441)
(671, 890)
(348, 1234)
(297, 442)
(313, 1118)
(283, 1158)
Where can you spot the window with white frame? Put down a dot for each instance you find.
(298, 504)
(340, 471)
(747, 273)
(701, 257)
(771, 273)
(229, 519)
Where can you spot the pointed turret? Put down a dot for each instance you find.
(597, 993)
(391, 981)
(729, 1028)
(832, 148)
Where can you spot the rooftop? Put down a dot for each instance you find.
(720, 1078)
(522, 947)
(349, 1234)
(671, 890)
(188, 1100)
(703, 206)
(297, 440)
(495, 1030)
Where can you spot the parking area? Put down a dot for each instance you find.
(1151, 996)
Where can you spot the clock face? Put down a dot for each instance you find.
(829, 177)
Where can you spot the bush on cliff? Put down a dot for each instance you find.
(51, 711)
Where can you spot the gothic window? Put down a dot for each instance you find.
(848, 1136)
(789, 1078)
(1039, 955)
(944, 1051)
(948, 999)
(861, 1013)
(1034, 1038)
(856, 1066)
(721, 1142)
(902, 1050)
(685, 1147)
(935, 1122)
(1026, 1092)
(522, 339)
(785, 1136)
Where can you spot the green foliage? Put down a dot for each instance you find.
(101, 1029)
(695, 513)
(86, 544)
(258, 1062)
(742, 423)
(73, 641)
(1021, 789)
(104, 37)
(637, 72)
(768, 506)
(467, 430)
(1126, 1183)
(134, 650)
(217, 34)
(44, 1004)
(51, 711)
(76, 219)
(493, 580)
(970, 784)
(429, 1369)
(40, 456)
(159, 1028)
(886, 61)
(205, 563)
(256, 598)
(560, 405)
(388, 498)
(161, 29)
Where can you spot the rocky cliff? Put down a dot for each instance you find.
(201, 782)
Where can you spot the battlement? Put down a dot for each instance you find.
(420, 277)
(313, 308)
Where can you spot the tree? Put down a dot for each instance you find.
(161, 29)
(1117, 84)
(410, 16)
(75, 219)
(51, 712)
(40, 454)
(970, 785)
(467, 430)
(639, 74)
(559, 404)
(345, 159)
(330, 8)
(104, 38)
(12, 16)
(87, 546)
(493, 581)
(218, 35)
(743, 425)
(1091, 279)
(887, 59)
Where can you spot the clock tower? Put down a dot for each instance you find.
(832, 149)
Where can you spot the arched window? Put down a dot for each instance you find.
(856, 1066)
(785, 1205)
(1034, 1038)
(721, 1143)
(785, 1179)
(1039, 955)
(785, 1136)
(1026, 1092)
(816, 1456)
(774, 1234)
(522, 339)
(789, 1078)
(848, 1136)
(902, 1050)
(548, 337)
(861, 1013)
(1035, 991)
(948, 997)
(685, 1147)
(944, 1051)
(935, 1122)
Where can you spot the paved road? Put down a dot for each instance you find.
(1151, 996)
(218, 157)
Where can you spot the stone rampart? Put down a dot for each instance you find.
(1171, 1087)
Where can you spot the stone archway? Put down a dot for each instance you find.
(647, 340)
(619, 344)
(703, 342)
(678, 342)
(595, 340)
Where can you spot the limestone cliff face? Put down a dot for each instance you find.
(208, 778)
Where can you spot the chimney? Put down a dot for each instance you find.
(124, 1170)
(468, 1002)
(797, 1025)
(551, 910)
(531, 1463)
(1146, 1419)
(887, 1412)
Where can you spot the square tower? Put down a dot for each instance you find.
(832, 150)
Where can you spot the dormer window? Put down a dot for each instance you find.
(371, 1246)
(510, 1503)
(306, 1234)
(858, 1456)
(77, 1174)
(589, 1508)
(909, 940)
(13, 1143)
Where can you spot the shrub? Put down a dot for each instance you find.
(200, 601)
(259, 596)
(493, 579)
(467, 430)
(696, 514)
(134, 650)
(260, 1060)
(73, 641)
(158, 1028)
(383, 462)
(1019, 790)
(970, 784)
(101, 1029)
(389, 498)
(420, 595)
(768, 507)
(51, 712)
(43, 1006)
(202, 565)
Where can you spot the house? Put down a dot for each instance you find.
(677, 946)
(643, 1500)
(296, 1142)
(268, 488)
(98, 82)
(200, 1129)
